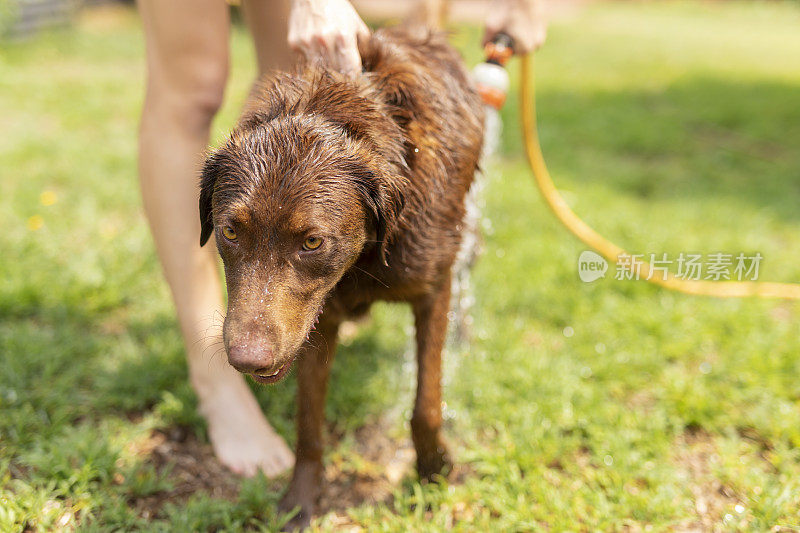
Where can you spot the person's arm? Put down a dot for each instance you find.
(523, 20)
(327, 30)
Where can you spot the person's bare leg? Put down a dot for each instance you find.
(268, 23)
(187, 63)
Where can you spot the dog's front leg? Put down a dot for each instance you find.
(430, 317)
(313, 367)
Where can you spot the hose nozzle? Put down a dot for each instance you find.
(499, 49)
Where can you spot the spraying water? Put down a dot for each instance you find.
(492, 82)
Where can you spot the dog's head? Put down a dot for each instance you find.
(306, 183)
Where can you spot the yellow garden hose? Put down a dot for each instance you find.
(606, 248)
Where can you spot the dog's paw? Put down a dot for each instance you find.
(434, 464)
(304, 511)
(301, 496)
(301, 519)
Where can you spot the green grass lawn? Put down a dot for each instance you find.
(607, 406)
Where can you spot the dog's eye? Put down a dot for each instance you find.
(312, 243)
(229, 234)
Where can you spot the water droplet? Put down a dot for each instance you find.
(568, 332)
(600, 348)
(586, 372)
(608, 460)
(11, 395)
(739, 508)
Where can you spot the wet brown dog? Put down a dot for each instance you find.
(330, 194)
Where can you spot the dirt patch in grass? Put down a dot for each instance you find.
(189, 465)
(384, 463)
(696, 454)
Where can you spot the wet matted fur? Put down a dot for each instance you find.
(330, 194)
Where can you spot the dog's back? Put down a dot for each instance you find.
(441, 115)
(431, 97)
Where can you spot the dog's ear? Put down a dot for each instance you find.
(382, 198)
(208, 181)
(388, 204)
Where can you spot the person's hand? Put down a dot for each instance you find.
(327, 30)
(523, 20)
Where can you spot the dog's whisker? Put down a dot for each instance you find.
(214, 355)
(214, 344)
(371, 275)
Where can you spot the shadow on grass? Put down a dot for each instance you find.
(698, 139)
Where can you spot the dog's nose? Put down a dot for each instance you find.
(251, 359)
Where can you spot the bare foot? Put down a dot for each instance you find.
(241, 437)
